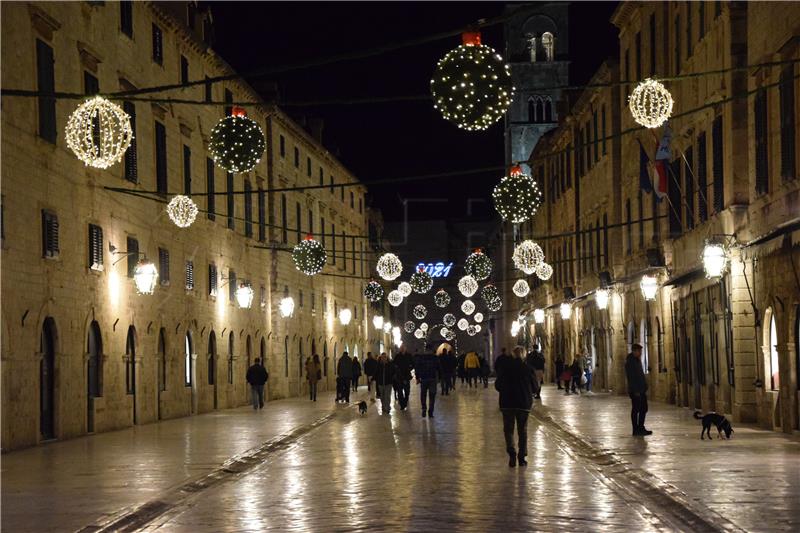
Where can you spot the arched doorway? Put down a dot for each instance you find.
(771, 362)
(231, 342)
(189, 377)
(248, 347)
(325, 358)
(212, 364)
(644, 338)
(286, 356)
(94, 372)
(47, 383)
(162, 367)
(130, 369)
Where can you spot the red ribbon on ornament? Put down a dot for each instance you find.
(471, 38)
(237, 111)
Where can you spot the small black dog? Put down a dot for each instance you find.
(362, 407)
(716, 419)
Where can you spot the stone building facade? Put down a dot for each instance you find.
(82, 351)
(727, 344)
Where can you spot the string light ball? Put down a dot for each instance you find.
(477, 328)
(472, 330)
(468, 286)
(478, 265)
(521, 288)
(373, 291)
(389, 267)
(419, 333)
(420, 312)
(450, 334)
(468, 307)
(421, 282)
(489, 293)
(99, 132)
(650, 103)
(182, 211)
(309, 256)
(449, 319)
(237, 142)
(424, 326)
(517, 196)
(395, 298)
(405, 288)
(544, 271)
(409, 327)
(527, 256)
(494, 305)
(441, 298)
(478, 317)
(472, 85)
(463, 324)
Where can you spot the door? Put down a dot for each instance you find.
(162, 369)
(189, 370)
(130, 369)
(93, 372)
(212, 365)
(47, 389)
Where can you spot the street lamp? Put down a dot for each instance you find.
(244, 296)
(566, 310)
(601, 298)
(538, 316)
(145, 276)
(715, 260)
(387, 327)
(287, 307)
(649, 285)
(515, 328)
(377, 321)
(345, 315)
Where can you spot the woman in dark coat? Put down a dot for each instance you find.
(516, 385)
(356, 373)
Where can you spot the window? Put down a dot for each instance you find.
(189, 276)
(321, 177)
(162, 360)
(158, 45)
(131, 168)
(331, 182)
(130, 364)
(344, 251)
(45, 83)
(531, 110)
(701, 18)
(308, 166)
(248, 209)
(641, 218)
(187, 361)
(262, 207)
(603, 127)
(212, 279)
(228, 97)
(702, 182)
(548, 44)
(352, 201)
(184, 70)
(689, 185)
(653, 44)
(232, 286)
(90, 83)
(595, 125)
(230, 198)
(282, 143)
(296, 157)
(284, 220)
(717, 164)
(163, 266)
(310, 221)
(263, 296)
(333, 243)
(300, 298)
(568, 157)
(49, 234)
(297, 221)
(341, 193)
(126, 17)
(688, 29)
(187, 170)
(161, 158)
(211, 197)
(629, 226)
(207, 89)
(95, 247)
(212, 356)
(786, 90)
(761, 148)
(132, 249)
(230, 357)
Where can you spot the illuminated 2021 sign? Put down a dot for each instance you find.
(436, 270)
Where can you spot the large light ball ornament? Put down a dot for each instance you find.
(463, 324)
(182, 211)
(395, 298)
(650, 103)
(237, 142)
(449, 319)
(244, 296)
(409, 327)
(420, 312)
(478, 317)
(467, 307)
(478, 265)
(421, 281)
(373, 291)
(424, 326)
(441, 298)
(472, 330)
(389, 267)
(145, 276)
(404, 288)
(490, 293)
(527, 256)
(477, 328)
(521, 288)
(419, 333)
(449, 334)
(517, 196)
(472, 85)
(715, 260)
(309, 256)
(544, 271)
(468, 286)
(99, 132)
(649, 286)
(494, 305)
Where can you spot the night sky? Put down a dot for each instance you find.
(391, 139)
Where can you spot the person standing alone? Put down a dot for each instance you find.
(356, 373)
(370, 363)
(344, 372)
(257, 376)
(313, 375)
(427, 370)
(516, 385)
(384, 380)
(637, 390)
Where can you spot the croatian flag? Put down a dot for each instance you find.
(663, 156)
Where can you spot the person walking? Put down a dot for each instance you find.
(637, 390)
(588, 371)
(559, 371)
(472, 366)
(370, 364)
(460, 370)
(384, 380)
(344, 372)
(448, 363)
(576, 372)
(257, 376)
(427, 370)
(356, 373)
(535, 362)
(516, 384)
(484, 371)
(313, 375)
(403, 364)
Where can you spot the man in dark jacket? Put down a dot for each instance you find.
(257, 376)
(559, 371)
(427, 370)
(384, 380)
(403, 363)
(448, 363)
(344, 373)
(515, 383)
(535, 361)
(369, 369)
(637, 390)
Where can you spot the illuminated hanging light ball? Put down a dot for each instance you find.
(463, 324)
(389, 267)
(566, 310)
(244, 296)
(405, 288)
(395, 298)
(419, 333)
(477, 328)
(650, 103)
(449, 319)
(715, 260)
(450, 335)
(468, 286)
(467, 307)
(443, 332)
(237, 142)
(409, 327)
(424, 326)
(387, 327)
(441, 298)
(99, 132)
(145, 276)
(420, 312)
(544, 271)
(601, 298)
(182, 211)
(472, 85)
(421, 281)
(521, 288)
(538, 316)
(472, 330)
(377, 321)
(649, 285)
(373, 291)
(478, 265)
(527, 256)
(489, 293)
(478, 317)
(494, 305)
(517, 196)
(309, 256)
(287, 307)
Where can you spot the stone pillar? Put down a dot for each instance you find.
(745, 342)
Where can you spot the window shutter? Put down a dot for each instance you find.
(189, 276)
(45, 77)
(163, 266)
(717, 164)
(702, 186)
(131, 170)
(788, 134)
(161, 158)
(95, 247)
(133, 255)
(762, 168)
(158, 45)
(689, 186)
(49, 234)
(231, 203)
(212, 280)
(232, 286)
(211, 199)
(187, 170)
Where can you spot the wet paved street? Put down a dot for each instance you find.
(402, 472)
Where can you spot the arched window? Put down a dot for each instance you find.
(644, 337)
(47, 383)
(531, 109)
(212, 356)
(539, 109)
(248, 346)
(659, 346)
(263, 352)
(130, 368)
(548, 45)
(548, 110)
(230, 357)
(188, 365)
(325, 358)
(162, 360)
(300, 358)
(94, 347)
(771, 362)
(286, 356)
